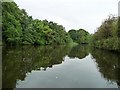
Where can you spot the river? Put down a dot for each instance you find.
(59, 67)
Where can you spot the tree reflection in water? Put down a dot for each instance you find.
(79, 51)
(108, 64)
(19, 61)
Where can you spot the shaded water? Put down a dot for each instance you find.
(59, 67)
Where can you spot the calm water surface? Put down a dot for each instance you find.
(59, 67)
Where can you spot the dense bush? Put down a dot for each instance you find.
(107, 35)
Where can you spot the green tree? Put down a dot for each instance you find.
(107, 35)
(79, 36)
(11, 27)
(20, 28)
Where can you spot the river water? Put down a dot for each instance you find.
(59, 67)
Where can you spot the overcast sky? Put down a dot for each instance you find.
(72, 14)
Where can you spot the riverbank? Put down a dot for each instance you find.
(111, 44)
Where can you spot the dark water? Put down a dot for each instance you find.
(59, 67)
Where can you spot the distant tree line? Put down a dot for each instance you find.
(80, 36)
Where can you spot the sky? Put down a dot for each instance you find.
(72, 14)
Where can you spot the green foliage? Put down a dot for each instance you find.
(19, 28)
(11, 26)
(80, 36)
(107, 36)
(107, 29)
(110, 44)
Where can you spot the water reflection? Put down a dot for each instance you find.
(108, 64)
(18, 61)
(79, 51)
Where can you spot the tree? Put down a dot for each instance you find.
(11, 27)
(107, 36)
(79, 36)
(20, 28)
